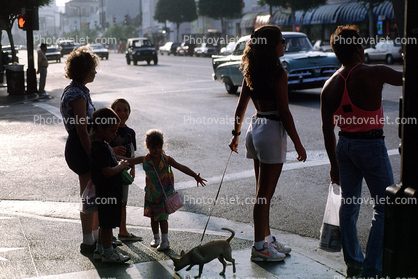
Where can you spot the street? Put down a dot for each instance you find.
(195, 113)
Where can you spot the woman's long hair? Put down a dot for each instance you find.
(260, 63)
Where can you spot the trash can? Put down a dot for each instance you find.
(15, 79)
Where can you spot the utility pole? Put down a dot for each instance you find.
(400, 254)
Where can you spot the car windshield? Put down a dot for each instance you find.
(142, 43)
(297, 44)
(97, 46)
(239, 49)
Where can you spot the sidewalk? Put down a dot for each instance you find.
(7, 99)
(27, 251)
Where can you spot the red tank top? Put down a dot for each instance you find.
(353, 119)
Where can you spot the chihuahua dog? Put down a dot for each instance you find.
(205, 253)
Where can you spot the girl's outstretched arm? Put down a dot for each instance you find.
(136, 160)
(187, 171)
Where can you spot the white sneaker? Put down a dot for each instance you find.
(268, 254)
(155, 242)
(97, 256)
(280, 246)
(163, 246)
(115, 257)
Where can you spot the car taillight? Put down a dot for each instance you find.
(400, 50)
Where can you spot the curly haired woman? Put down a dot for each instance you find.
(76, 110)
(265, 83)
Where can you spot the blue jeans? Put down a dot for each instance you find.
(42, 79)
(358, 159)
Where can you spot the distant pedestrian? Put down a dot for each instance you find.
(158, 173)
(106, 175)
(265, 83)
(124, 144)
(42, 69)
(76, 110)
(352, 99)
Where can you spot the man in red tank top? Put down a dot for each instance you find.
(352, 100)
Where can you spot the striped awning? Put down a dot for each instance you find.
(248, 20)
(261, 20)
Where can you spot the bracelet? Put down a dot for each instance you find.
(234, 133)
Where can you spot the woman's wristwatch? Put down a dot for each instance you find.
(234, 133)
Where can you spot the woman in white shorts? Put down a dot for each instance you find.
(265, 83)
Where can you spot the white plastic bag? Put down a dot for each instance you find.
(330, 239)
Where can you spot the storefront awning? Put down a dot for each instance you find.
(261, 20)
(248, 20)
(281, 17)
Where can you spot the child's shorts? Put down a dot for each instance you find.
(266, 141)
(156, 211)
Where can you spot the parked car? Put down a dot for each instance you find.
(169, 48)
(323, 45)
(306, 68)
(7, 50)
(186, 49)
(52, 53)
(65, 46)
(388, 51)
(228, 49)
(205, 49)
(100, 50)
(140, 49)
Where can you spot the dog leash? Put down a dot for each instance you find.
(214, 202)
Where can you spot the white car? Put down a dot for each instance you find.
(205, 49)
(100, 51)
(322, 45)
(228, 49)
(388, 51)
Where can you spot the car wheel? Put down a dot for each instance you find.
(389, 59)
(231, 89)
(366, 59)
(148, 62)
(155, 60)
(128, 61)
(107, 57)
(135, 62)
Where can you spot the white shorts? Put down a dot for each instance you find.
(266, 140)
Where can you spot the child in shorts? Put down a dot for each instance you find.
(106, 176)
(124, 144)
(158, 173)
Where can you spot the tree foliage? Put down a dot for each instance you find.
(177, 11)
(220, 9)
(121, 32)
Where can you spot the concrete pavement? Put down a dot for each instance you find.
(41, 239)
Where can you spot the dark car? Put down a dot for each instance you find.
(140, 49)
(52, 53)
(65, 46)
(100, 50)
(186, 49)
(169, 48)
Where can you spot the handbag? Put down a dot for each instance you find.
(330, 239)
(88, 199)
(172, 202)
(126, 178)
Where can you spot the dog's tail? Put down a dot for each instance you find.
(232, 234)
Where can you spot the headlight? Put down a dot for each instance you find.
(285, 65)
(153, 52)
